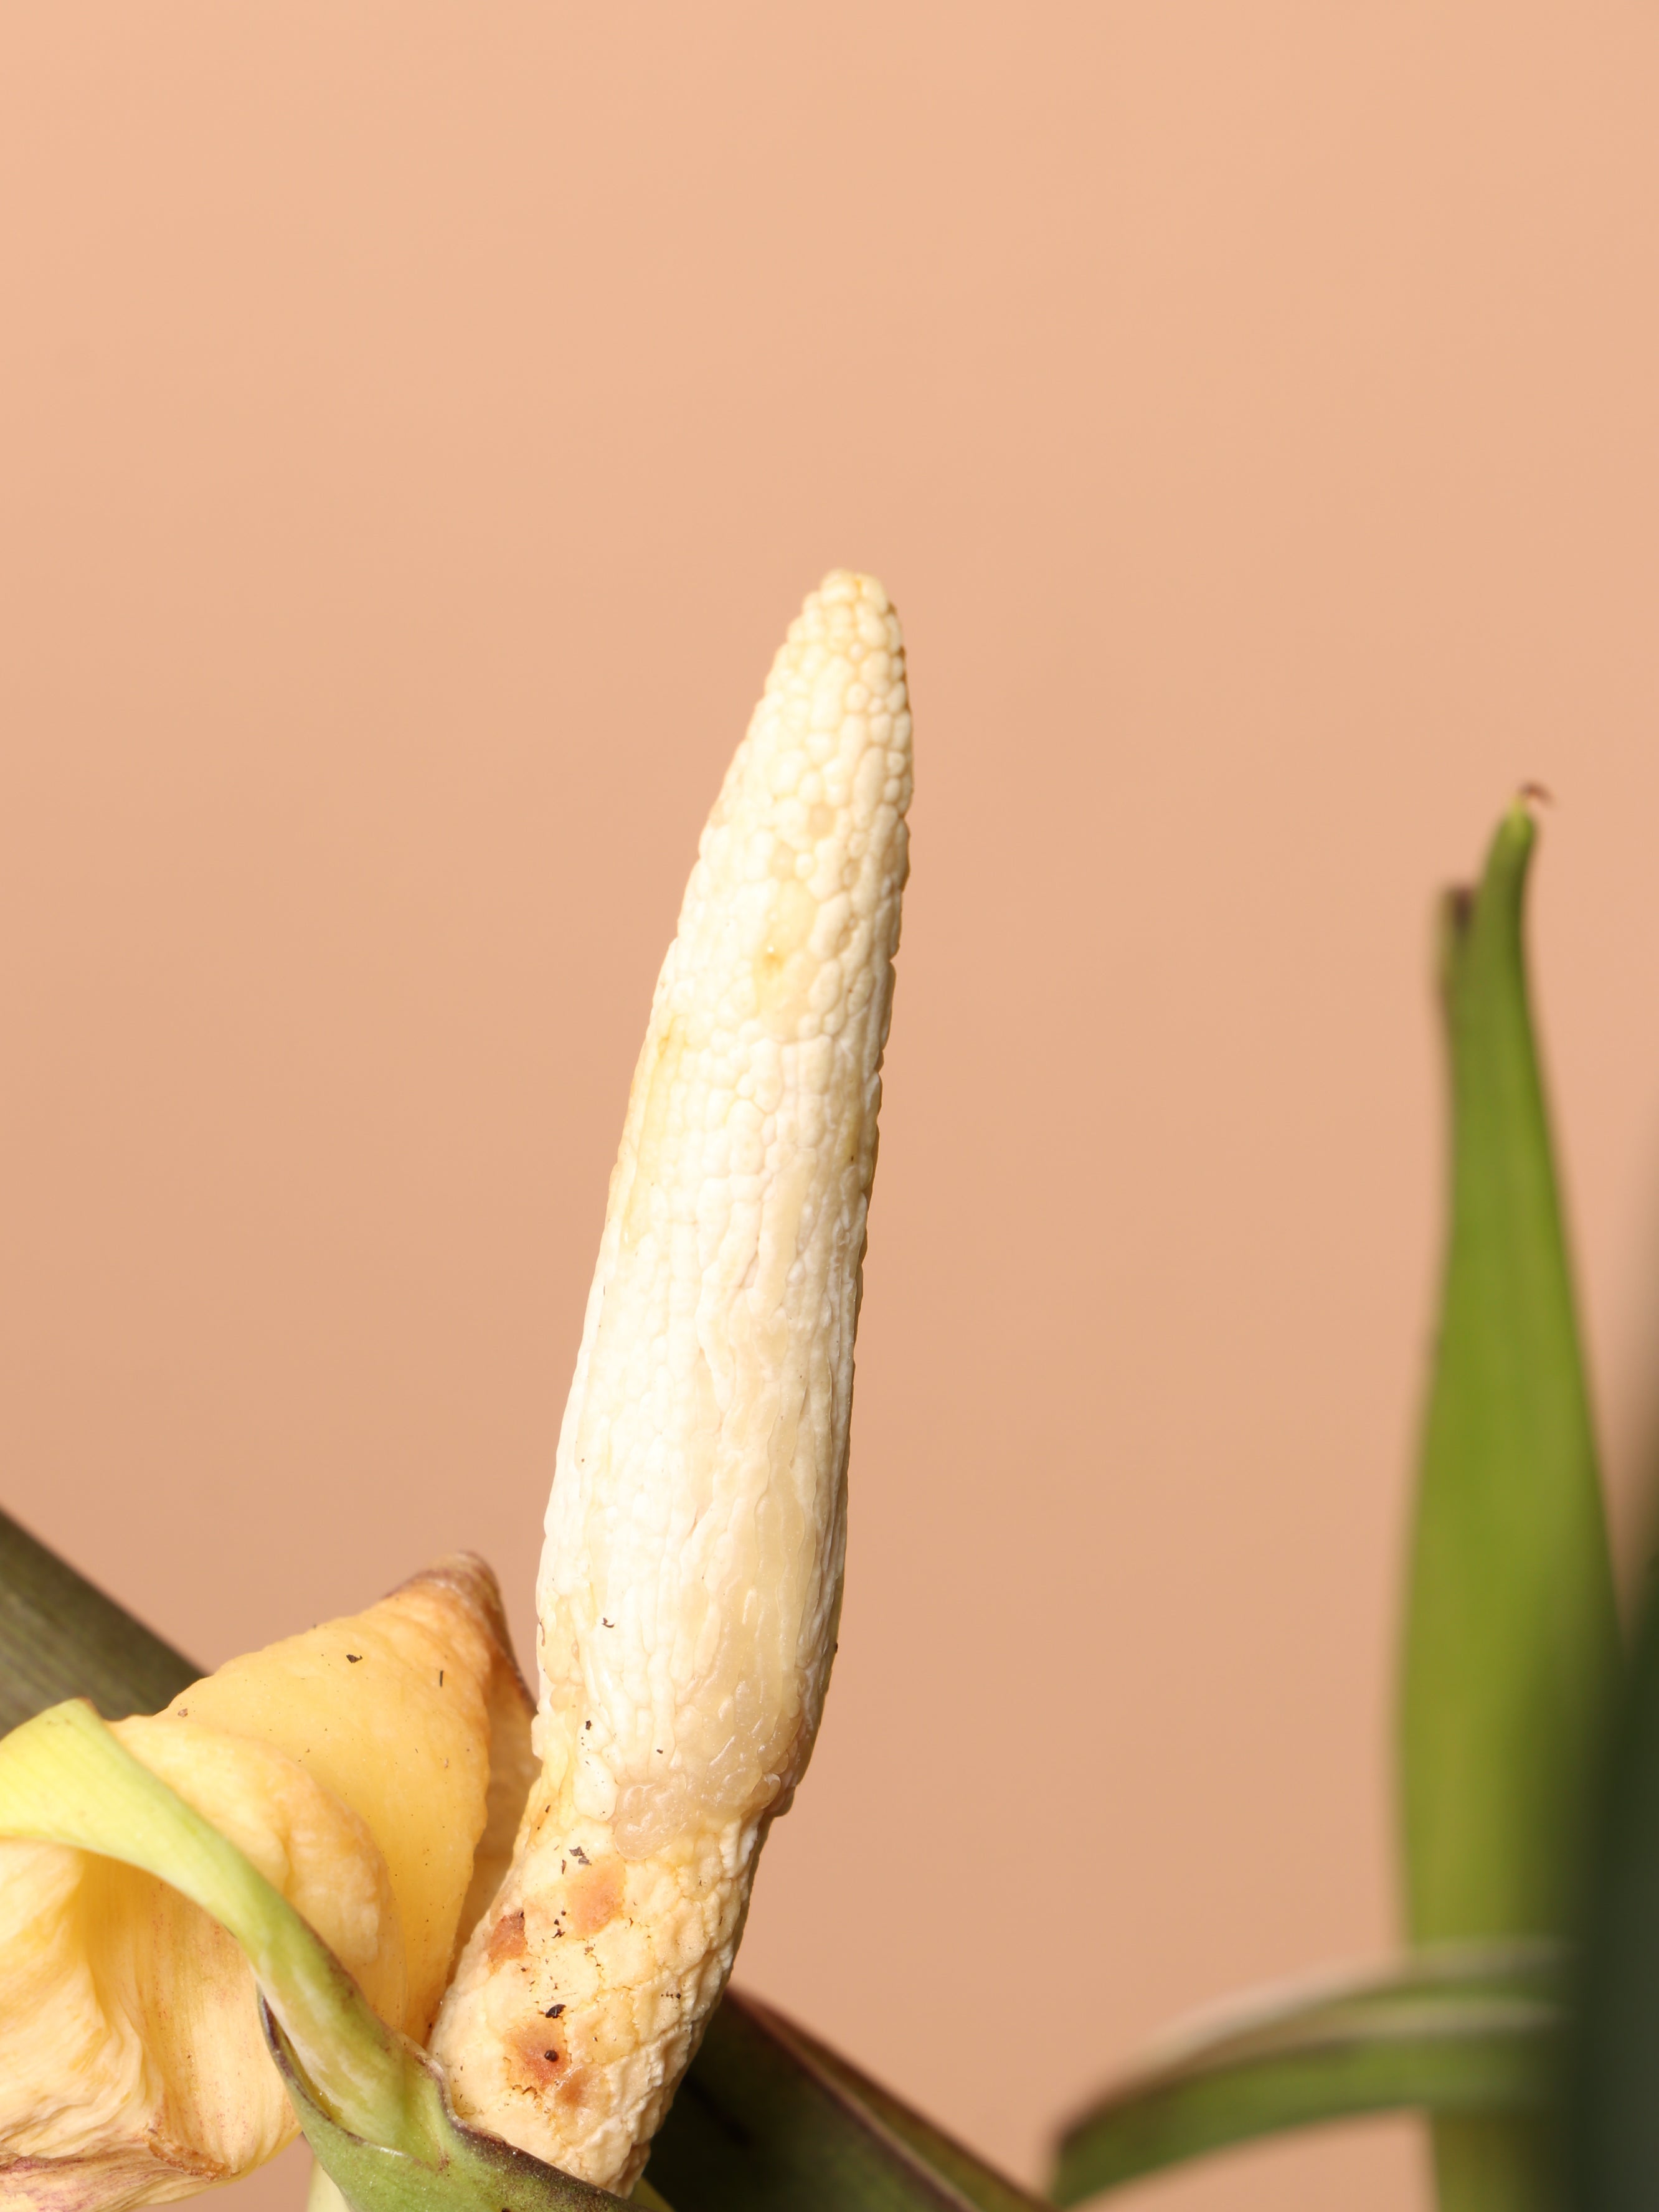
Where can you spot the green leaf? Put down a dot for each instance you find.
(375, 2099)
(1466, 2031)
(1613, 2133)
(60, 1637)
(1511, 1636)
(766, 2120)
(981, 2185)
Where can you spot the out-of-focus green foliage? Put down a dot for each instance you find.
(1476, 2032)
(1614, 2110)
(1511, 1640)
(1512, 1634)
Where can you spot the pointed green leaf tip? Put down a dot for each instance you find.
(1512, 1634)
(369, 2100)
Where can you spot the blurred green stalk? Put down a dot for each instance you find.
(1512, 1634)
(1614, 2116)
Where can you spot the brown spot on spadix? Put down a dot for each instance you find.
(593, 1896)
(507, 1938)
(538, 2064)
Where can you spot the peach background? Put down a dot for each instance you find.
(420, 421)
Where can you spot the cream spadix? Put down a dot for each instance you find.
(691, 1583)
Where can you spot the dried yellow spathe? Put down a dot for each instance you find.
(356, 1768)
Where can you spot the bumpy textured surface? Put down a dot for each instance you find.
(691, 1579)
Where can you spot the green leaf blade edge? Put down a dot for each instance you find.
(60, 1636)
(766, 2120)
(1469, 2032)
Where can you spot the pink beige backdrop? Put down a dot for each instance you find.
(419, 422)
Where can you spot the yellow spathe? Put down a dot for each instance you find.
(369, 1768)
